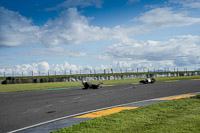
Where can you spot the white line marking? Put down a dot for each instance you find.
(69, 116)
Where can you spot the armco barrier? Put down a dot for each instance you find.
(12, 80)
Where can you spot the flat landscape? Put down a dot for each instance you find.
(21, 109)
(49, 48)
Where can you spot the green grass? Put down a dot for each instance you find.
(177, 78)
(175, 116)
(36, 86)
(43, 86)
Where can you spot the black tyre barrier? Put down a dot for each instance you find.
(13, 80)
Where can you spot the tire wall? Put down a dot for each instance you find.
(92, 78)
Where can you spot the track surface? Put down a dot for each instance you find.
(21, 109)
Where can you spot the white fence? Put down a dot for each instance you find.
(69, 78)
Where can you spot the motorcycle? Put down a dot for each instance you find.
(147, 81)
(88, 85)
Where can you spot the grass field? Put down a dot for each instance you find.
(43, 86)
(175, 116)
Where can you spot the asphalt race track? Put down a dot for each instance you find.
(21, 109)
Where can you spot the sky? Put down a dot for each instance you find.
(80, 36)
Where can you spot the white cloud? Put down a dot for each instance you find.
(53, 51)
(73, 28)
(27, 69)
(15, 29)
(164, 17)
(181, 51)
(142, 65)
(43, 68)
(70, 27)
(193, 5)
(78, 3)
(187, 3)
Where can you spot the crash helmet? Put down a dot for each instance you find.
(83, 82)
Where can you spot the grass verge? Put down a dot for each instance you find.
(177, 78)
(36, 86)
(175, 116)
(43, 86)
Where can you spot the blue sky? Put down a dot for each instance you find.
(84, 35)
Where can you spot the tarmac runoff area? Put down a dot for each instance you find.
(67, 121)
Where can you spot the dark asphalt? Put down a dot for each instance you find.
(21, 109)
